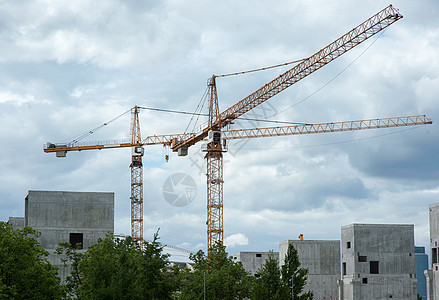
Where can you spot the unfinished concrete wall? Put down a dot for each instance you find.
(59, 215)
(378, 262)
(322, 259)
(432, 276)
(16, 222)
(74, 217)
(253, 261)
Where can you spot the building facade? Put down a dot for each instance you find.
(432, 276)
(378, 262)
(322, 259)
(74, 217)
(253, 261)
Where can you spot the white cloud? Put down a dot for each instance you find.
(234, 240)
(14, 98)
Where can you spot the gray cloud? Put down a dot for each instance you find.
(67, 68)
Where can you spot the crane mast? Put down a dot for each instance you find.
(214, 174)
(136, 179)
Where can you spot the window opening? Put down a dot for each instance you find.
(374, 267)
(362, 258)
(75, 239)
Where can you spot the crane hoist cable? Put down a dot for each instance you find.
(206, 115)
(333, 78)
(76, 139)
(262, 69)
(203, 98)
(203, 102)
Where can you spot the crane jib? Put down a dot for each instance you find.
(351, 39)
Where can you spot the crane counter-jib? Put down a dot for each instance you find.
(165, 140)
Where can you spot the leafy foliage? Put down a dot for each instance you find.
(71, 256)
(291, 271)
(120, 269)
(275, 283)
(25, 272)
(269, 284)
(223, 278)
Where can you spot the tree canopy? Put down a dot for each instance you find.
(277, 283)
(217, 274)
(268, 284)
(117, 268)
(25, 272)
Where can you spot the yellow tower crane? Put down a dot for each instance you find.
(215, 136)
(217, 120)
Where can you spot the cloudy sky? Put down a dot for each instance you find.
(68, 67)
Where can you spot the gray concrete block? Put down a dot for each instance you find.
(322, 259)
(378, 261)
(253, 261)
(68, 217)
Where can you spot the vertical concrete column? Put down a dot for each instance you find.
(429, 278)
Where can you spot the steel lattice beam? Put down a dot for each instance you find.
(137, 199)
(356, 36)
(215, 230)
(136, 180)
(326, 127)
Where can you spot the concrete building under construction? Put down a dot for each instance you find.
(74, 217)
(378, 262)
(432, 276)
(322, 259)
(253, 261)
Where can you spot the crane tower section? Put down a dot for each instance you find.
(136, 179)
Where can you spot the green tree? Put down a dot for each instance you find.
(120, 269)
(223, 278)
(268, 284)
(291, 271)
(25, 272)
(71, 256)
(275, 283)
